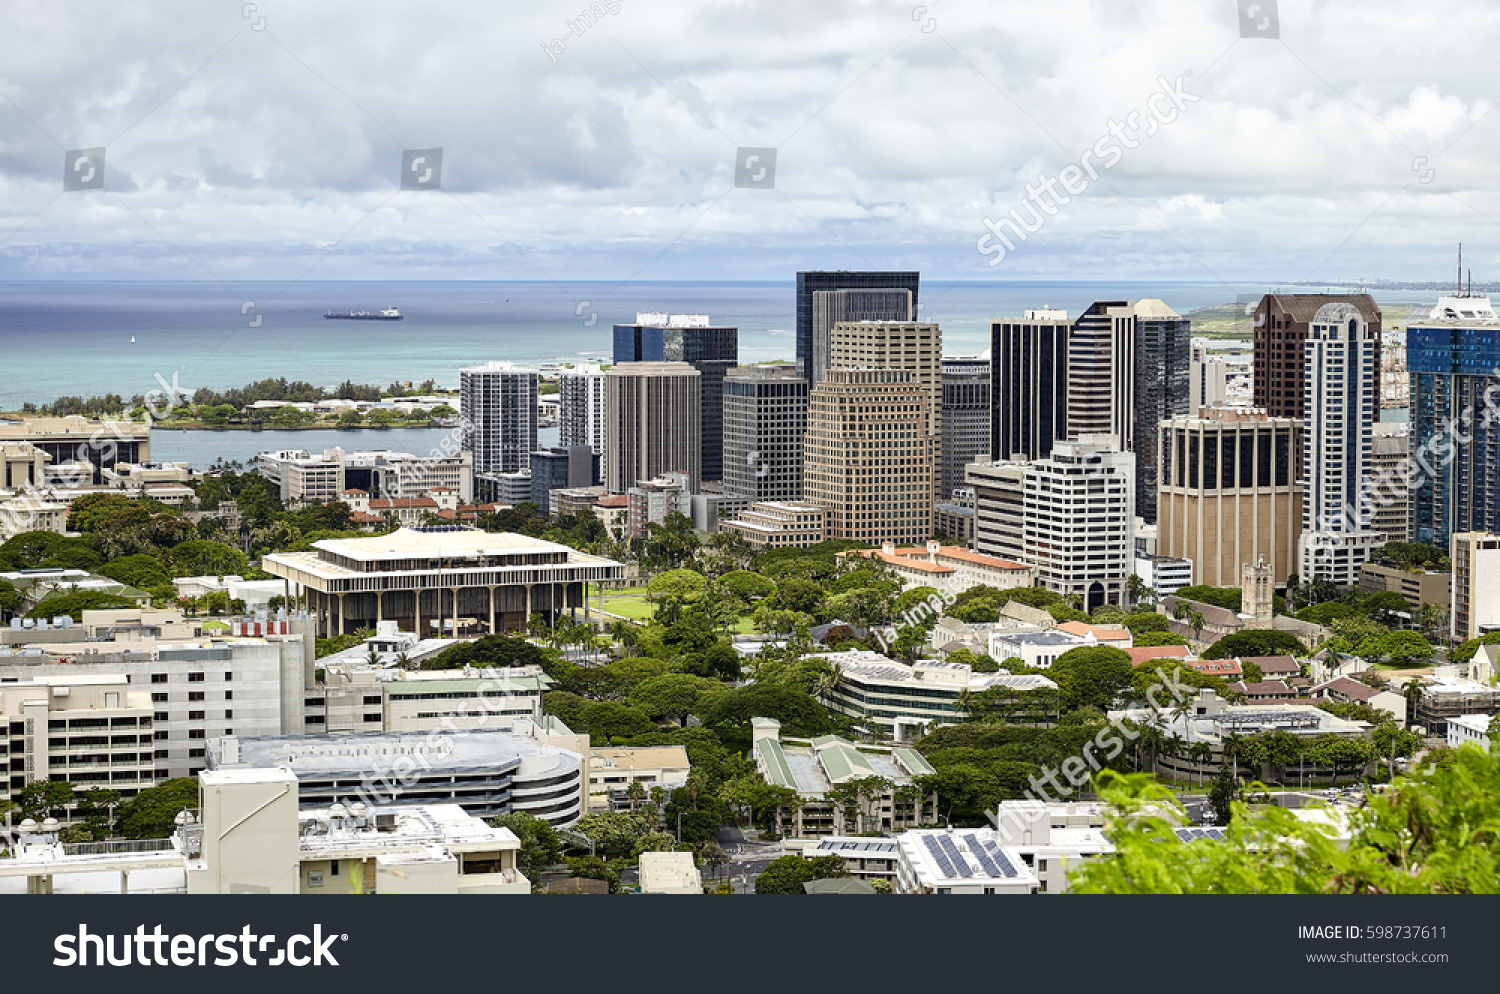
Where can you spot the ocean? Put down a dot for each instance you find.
(84, 338)
(201, 449)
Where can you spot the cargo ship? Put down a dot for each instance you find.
(389, 314)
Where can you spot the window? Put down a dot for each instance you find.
(196, 733)
(372, 698)
(160, 716)
(333, 867)
(160, 736)
(228, 677)
(161, 754)
(227, 715)
(160, 698)
(315, 719)
(195, 677)
(195, 695)
(195, 715)
(372, 717)
(196, 753)
(228, 695)
(158, 678)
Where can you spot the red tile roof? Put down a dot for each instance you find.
(1144, 653)
(396, 503)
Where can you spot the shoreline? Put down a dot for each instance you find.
(402, 427)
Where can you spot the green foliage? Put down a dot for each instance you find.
(1226, 791)
(1256, 642)
(74, 602)
(787, 874)
(1226, 597)
(10, 598)
(614, 833)
(1091, 676)
(140, 570)
(1415, 555)
(1436, 831)
(499, 650)
(747, 586)
(42, 799)
(682, 584)
(1328, 612)
(540, 847)
(601, 720)
(200, 557)
(152, 813)
(729, 713)
(1396, 648)
(1464, 651)
(338, 643)
(1153, 639)
(675, 696)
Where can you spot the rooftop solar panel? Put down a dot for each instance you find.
(986, 863)
(1007, 868)
(938, 856)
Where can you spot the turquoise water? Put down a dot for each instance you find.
(201, 449)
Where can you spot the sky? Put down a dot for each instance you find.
(265, 140)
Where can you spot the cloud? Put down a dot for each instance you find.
(260, 153)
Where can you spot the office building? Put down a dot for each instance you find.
(868, 458)
(779, 525)
(1450, 359)
(305, 478)
(765, 418)
(497, 408)
(1070, 515)
(445, 575)
(80, 449)
(653, 411)
(1029, 384)
(1469, 729)
(1417, 586)
(559, 469)
(486, 772)
(1228, 492)
(649, 502)
(1208, 380)
(817, 768)
(711, 511)
(1160, 349)
(1475, 557)
(711, 350)
(960, 861)
(948, 567)
(967, 412)
(810, 283)
(1337, 442)
(915, 347)
(580, 407)
(831, 307)
(954, 519)
(1163, 575)
(1281, 326)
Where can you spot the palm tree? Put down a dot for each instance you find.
(1413, 694)
(636, 792)
(1234, 744)
(1136, 589)
(1201, 752)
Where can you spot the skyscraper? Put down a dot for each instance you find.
(966, 417)
(1228, 492)
(765, 416)
(651, 423)
(809, 283)
(831, 307)
(497, 410)
(1070, 514)
(1101, 371)
(580, 407)
(1281, 322)
(1029, 383)
(1162, 348)
(1450, 360)
(710, 349)
(1337, 446)
(1208, 380)
(868, 455)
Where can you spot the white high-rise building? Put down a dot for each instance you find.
(580, 399)
(497, 408)
(1208, 380)
(1071, 515)
(1337, 446)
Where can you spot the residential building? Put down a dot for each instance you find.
(1229, 493)
(1337, 504)
(1347, 691)
(76, 448)
(1469, 729)
(960, 861)
(497, 410)
(966, 415)
(247, 836)
(304, 478)
(487, 772)
(580, 408)
(1475, 557)
(446, 574)
(869, 455)
(1029, 384)
(1208, 380)
(810, 283)
(830, 307)
(1282, 321)
(651, 501)
(765, 419)
(561, 468)
(1163, 575)
(1071, 515)
(1417, 586)
(653, 411)
(779, 524)
(951, 568)
(1389, 489)
(901, 699)
(1450, 359)
(818, 768)
(710, 349)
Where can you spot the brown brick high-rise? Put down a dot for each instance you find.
(1281, 321)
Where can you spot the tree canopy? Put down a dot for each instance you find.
(1256, 642)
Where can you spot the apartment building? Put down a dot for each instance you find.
(580, 408)
(1282, 321)
(1475, 557)
(498, 418)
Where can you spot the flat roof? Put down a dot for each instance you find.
(436, 542)
(359, 752)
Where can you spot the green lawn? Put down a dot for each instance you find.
(632, 603)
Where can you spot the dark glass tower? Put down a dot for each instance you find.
(810, 283)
